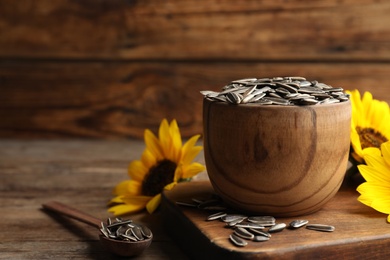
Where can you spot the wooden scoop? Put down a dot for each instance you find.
(118, 247)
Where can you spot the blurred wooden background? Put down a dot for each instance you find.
(111, 68)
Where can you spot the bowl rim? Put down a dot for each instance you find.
(272, 106)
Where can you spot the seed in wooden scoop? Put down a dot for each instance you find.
(320, 227)
(137, 233)
(298, 223)
(236, 240)
(277, 228)
(146, 232)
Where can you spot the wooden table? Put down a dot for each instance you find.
(79, 173)
(82, 173)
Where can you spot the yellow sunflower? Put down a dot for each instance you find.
(370, 124)
(164, 163)
(375, 192)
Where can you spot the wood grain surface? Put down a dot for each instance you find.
(78, 173)
(360, 232)
(110, 69)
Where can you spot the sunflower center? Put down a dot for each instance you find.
(158, 176)
(370, 137)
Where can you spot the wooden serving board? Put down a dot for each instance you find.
(360, 232)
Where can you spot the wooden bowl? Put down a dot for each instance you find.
(277, 160)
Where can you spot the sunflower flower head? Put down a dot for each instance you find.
(375, 192)
(164, 162)
(370, 124)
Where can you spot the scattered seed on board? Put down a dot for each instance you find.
(277, 228)
(320, 227)
(262, 220)
(232, 218)
(243, 233)
(236, 240)
(245, 228)
(284, 91)
(216, 216)
(298, 223)
(249, 225)
(260, 238)
(257, 232)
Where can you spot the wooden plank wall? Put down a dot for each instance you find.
(111, 68)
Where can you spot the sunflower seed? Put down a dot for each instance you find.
(236, 240)
(242, 232)
(120, 231)
(257, 232)
(298, 223)
(230, 218)
(249, 225)
(137, 233)
(216, 216)
(118, 223)
(104, 232)
(277, 228)
(260, 238)
(129, 238)
(234, 98)
(246, 80)
(146, 232)
(244, 91)
(125, 230)
(235, 222)
(320, 227)
(262, 220)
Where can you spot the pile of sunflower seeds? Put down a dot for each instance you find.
(248, 228)
(125, 230)
(284, 91)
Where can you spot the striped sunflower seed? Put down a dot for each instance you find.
(320, 227)
(236, 240)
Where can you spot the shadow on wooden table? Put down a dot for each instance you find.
(95, 249)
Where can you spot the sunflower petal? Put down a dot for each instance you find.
(190, 151)
(382, 205)
(153, 145)
(116, 200)
(192, 170)
(176, 145)
(385, 148)
(371, 174)
(148, 159)
(170, 186)
(124, 209)
(134, 188)
(165, 138)
(375, 166)
(122, 187)
(190, 154)
(137, 170)
(153, 203)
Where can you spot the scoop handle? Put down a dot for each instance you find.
(68, 211)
